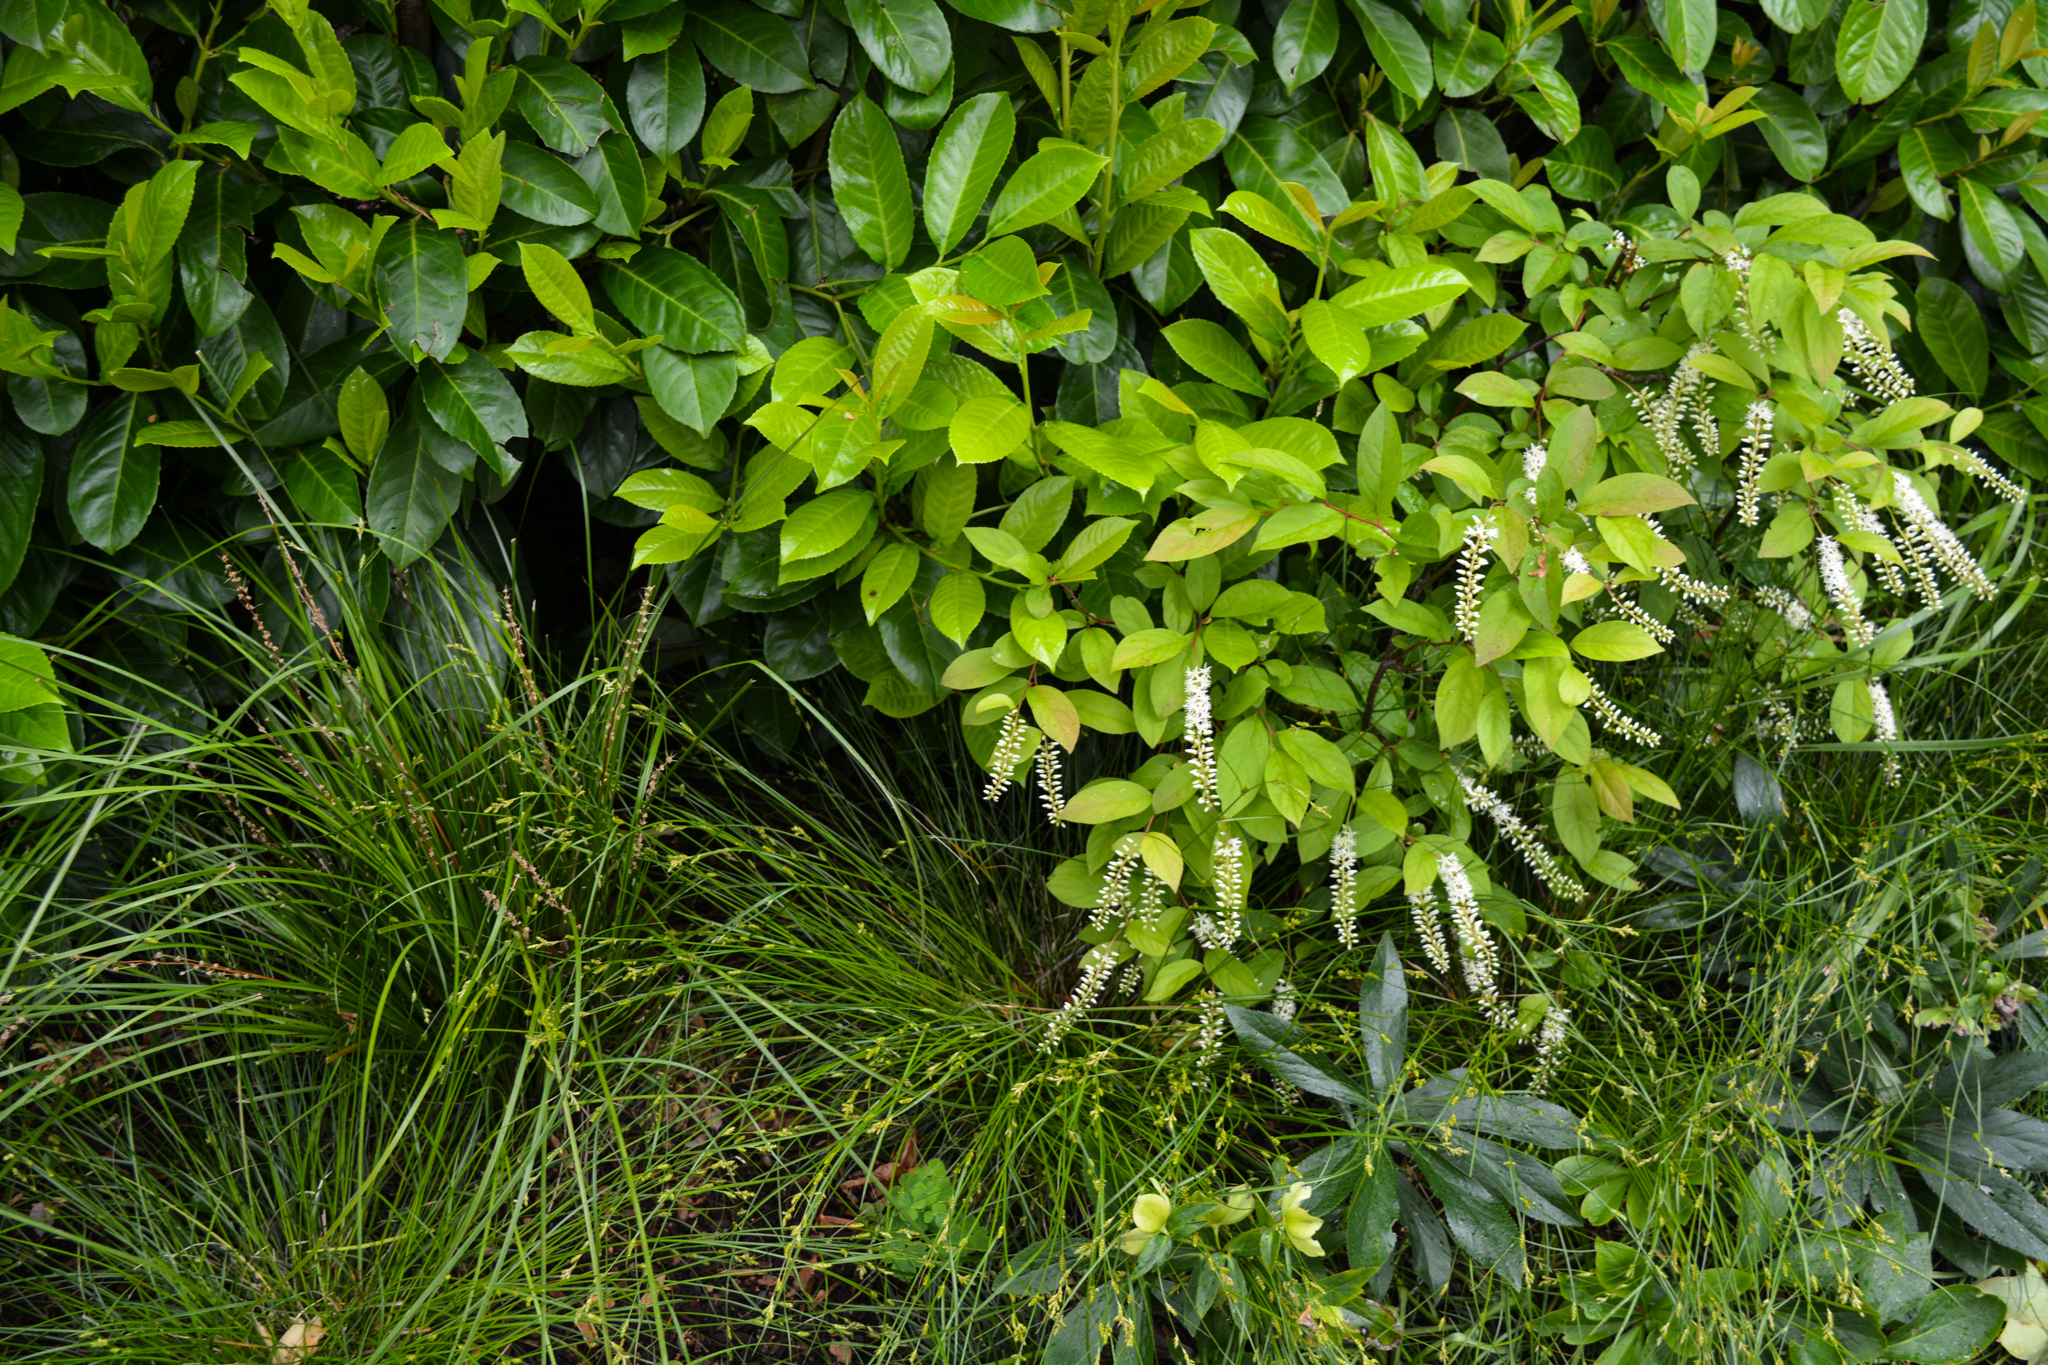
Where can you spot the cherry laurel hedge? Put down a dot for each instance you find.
(1336, 398)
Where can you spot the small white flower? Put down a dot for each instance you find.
(1525, 840)
(1479, 537)
(1834, 580)
(1344, 885)
(1201, 737)
(1756, 453)
(1002, 764)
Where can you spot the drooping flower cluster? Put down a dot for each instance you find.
(1550, 1042)
(1476, 953)
(1285, 1004)
(1786, 605)
(1692, 589)
(1973, 463)
(1834, 580)
(1097, 964)
(1874, 365)
(1628, 609)
(1479, 537)
(1628, 257)
(1344, 886)
(1535, 456)
(1620, 722)
(1422, 905)
(1539, 858)
(1209, 1026)
(1851, 512)
(1575, 561)
(1201, 735)
(1226, 926)
(1050, 786)
(1927, 537)
(1002, 764)
(1886, 722)
(1756, 453)
(1665, 415)
(1116, 882)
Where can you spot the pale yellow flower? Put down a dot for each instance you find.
(1150, 1214)
(1298, 1223)
(1236, 1205)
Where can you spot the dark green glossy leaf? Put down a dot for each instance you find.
(1431, 1248)
(1383, 1018)
(870, 183)
(1797, 16)
(114, 480)
(755, 219)
(212, 256)
(695, 390)
(1074, 287)
(411, 497)
(676, 297)
(1468, 138)
(906, 39)
(562, 103)
(1688, 29)
(541, 186)
(424, 284)
(1480, 1223)
(1650, 69)
(1989, 228)
(1874, 132)
(1369, 1227)
(474, 402)
(1304, 40)
(1584, 169)
(1954, 332)
(21, 490)
(1468, 60)
(1879, 46)
(1273, 1043)
(1927, 152)
(618, 181)
(323, 487)
(1953, 1325)
(965, 161)
(1793, 131)
(665, 98)
(1396, 46)
(754, 48)
(1266, 154)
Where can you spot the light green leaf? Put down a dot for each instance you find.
(1215, 354)
(825, 523)
(966, 158)
(869, 182)
(1050, 182)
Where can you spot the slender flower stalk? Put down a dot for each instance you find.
(1518, 833)
(1756, 453)
(1874, 365)
(1002, 764)
(1201, 735)
(1886, 722)
(1973, 463)
(1479, 537)
(1476, 953)
(1429, 924)
(1665, 415)
(1116, 882)
(1942, 543)
(1786, 605)
(1344, 886)
(1550, 1044)
(1097, 965)
(1620, 722)
(1050, 786)
(1834, 579)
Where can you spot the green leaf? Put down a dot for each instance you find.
(1304, 40)
(411, 497)
(1164, 52)
(1878, 47)
(677, 298)
(1553, 104)
(825, 523)
(664, 101)
(1927, 153)
(563, 103)
(1650, 69)
(1953, 1325)
(1267, 155)
(324, 487)
(1215, 354)
(1369, 1227)
(1037, 514)
(1403, 292)
(413, 151)
(1479, 1222)
(1688, 29)
(887, 577)
(1076, 290)
(1954, 332)
(1275, 1044)
(1106, 799)
(1398, 178)
(957, 605)
(1001, 272)
(1383, 1017)
(1476, 340)
(869, 183)
(618, 181)
(1468, 138)
(907, 40)
(1337, 338)
(1167, 155)
(727, 126)
(695, 390)
(986, 428)
(113, 478)
(965, 161)
(1241, 280)
(556, 285)
(1633, 495)
(1467, 60)
(1616, 642)
(423, 282)
(21, 488)
(1396, 47)
(474, 402)
(540, 186)
(212, 255)
(26, 677)
(1990, 227)
(1047, 184)
(1793, 131)
(753, 47)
